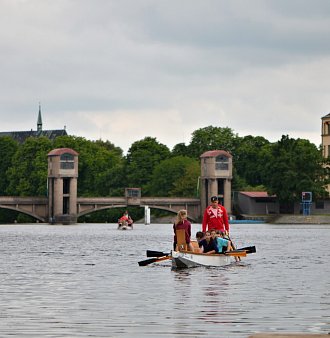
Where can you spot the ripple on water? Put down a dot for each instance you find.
(84, 281)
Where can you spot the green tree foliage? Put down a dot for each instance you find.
(8, 148)
(142, 157)
(292, 166)
(175, 176)
(28, 174)
(110, 147)
(188, 184)
(180, 149)
(248, 159)
(212, 138)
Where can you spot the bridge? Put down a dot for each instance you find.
(38, 207)
(62, 205)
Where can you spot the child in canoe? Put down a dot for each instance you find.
(182, 222)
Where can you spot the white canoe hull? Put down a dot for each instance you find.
(191, 260)
(125, 226)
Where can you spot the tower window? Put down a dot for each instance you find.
(326, 128)
(221, 162)
(67, 161)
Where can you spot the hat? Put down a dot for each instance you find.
(214, 198)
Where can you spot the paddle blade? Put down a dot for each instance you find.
(249, 249)
(151, 253)
(153, 260)
(147, 261)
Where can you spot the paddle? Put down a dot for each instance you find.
(232, 244)
(151, 253)
(236, 253)
(239, 253)
(153, 260)
(229, 239)
(249, 249)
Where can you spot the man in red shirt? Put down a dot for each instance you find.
(215, 217)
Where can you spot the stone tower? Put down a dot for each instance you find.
(216, 176)
(62, 186)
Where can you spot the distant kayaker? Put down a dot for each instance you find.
(215, 217)
(126, 217)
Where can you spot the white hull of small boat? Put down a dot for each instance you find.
(125, 226)
(191, 260)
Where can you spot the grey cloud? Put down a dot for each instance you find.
(230, 63)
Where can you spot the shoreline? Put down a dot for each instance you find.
(255, 219)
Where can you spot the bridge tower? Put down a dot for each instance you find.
(62, 186)
(216, 176)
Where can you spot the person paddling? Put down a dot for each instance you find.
(126, 217)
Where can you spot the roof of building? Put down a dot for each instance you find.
(215, 153)
(256, 194)
(326, 116)
(21, 136)
(61, 151)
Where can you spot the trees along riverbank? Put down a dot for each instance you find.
(284, 168)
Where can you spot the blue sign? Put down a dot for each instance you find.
(306, 196)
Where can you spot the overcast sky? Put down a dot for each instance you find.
(121, 70)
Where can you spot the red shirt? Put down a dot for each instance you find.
(215, 219)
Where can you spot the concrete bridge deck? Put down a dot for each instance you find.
(38, 208)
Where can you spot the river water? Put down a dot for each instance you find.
(84, 281)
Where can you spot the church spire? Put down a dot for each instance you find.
(39, 123)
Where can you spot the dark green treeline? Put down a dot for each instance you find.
(284, 168)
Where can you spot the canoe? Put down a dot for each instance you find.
(124, 225)
(188, 259)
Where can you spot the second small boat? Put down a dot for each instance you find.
(124, 225)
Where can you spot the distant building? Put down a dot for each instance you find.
(255, 203)
(325, 134)
(260, 203)
(21, 136)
